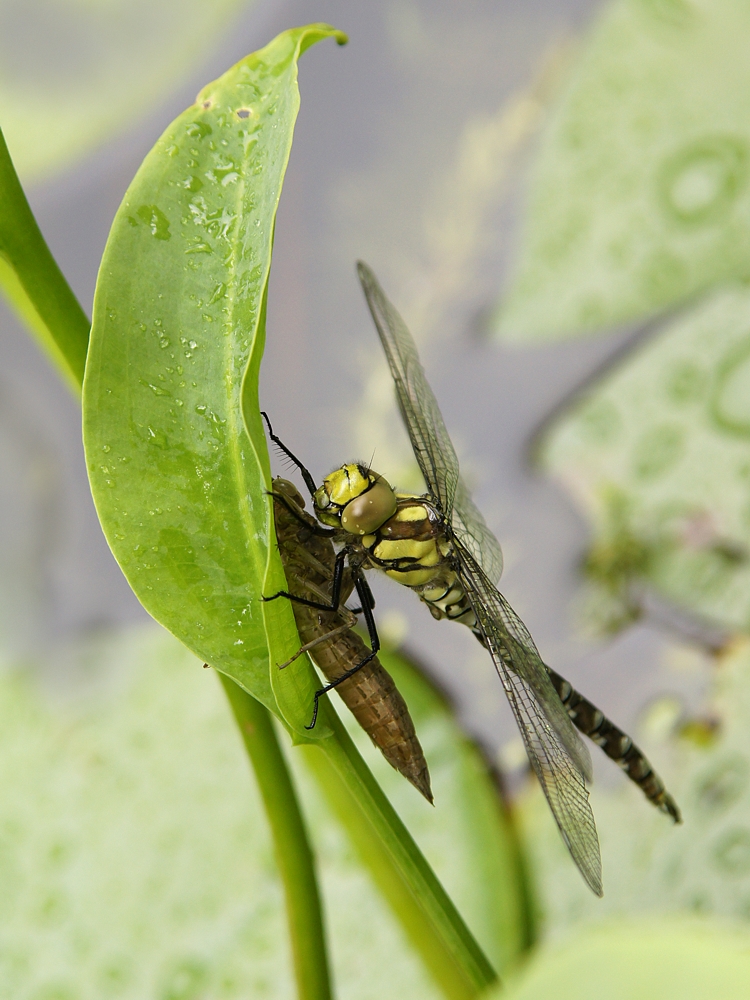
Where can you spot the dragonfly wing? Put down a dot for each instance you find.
(558, 756)
(471, 529)
(424, 423)
(429, 436)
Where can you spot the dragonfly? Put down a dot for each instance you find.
(369, 691)
(438, 545)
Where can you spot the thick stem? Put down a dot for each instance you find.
(34, 283)
(398, 867)
(293, 854)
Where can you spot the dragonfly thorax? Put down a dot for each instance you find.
(414, 548)
(354, 498)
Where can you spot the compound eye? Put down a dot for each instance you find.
(367, 512)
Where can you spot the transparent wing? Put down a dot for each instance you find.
(429, 436)
(470, 528)
(558, 756)
(432, 446)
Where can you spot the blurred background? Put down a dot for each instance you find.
(554, 196)
(408, 153)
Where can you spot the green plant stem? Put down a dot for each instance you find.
(33, 282)
(426, 912)
(293, 853)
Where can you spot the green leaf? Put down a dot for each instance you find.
(656, 452)
(640, 196)
(641, 961)
(75, 73)
(174, 443)
(34, 284)
(469, 837)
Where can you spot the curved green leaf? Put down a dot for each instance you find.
(171, 377)
(174, 443)
(641, 191)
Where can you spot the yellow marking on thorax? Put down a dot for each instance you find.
(412, 577)
(425, 553)
(415, 512)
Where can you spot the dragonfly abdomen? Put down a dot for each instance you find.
(617, 745)
(446, 598)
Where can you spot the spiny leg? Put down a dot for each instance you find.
(338, 576)
(309, 481)
(340, 630)
(365, 589)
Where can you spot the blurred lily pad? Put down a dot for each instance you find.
(641, 191)
(135, 857)
(656, 453)
(73, 73)
(650, 866)
(641, 961)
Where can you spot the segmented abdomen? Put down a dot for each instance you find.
(616, 744)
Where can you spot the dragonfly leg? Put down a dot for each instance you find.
(338, 576)
(368, 603)
(318, 639)
(309, 481)
(365, 596)
(365, 589)
(344, 677)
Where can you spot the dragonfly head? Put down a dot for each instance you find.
(354, 498)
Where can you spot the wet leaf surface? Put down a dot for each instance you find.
(641, 190)
(656, 453)
(175, 447)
